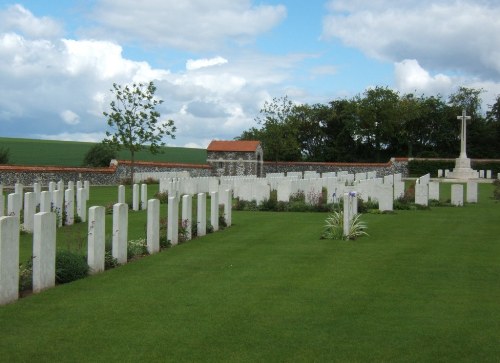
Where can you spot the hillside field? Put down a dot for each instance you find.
(71, 153)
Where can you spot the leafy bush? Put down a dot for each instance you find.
(422, 167)
(334, 227)
(162, 197)
(99, 155)
(109, 261)
(136, 248)
(26, 275)
(70, 266)
(4, 155)
(365, 207)
(496, 190)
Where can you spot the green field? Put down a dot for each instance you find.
(422, 287)
(71, 153)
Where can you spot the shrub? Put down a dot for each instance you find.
(4, 155)
(365, 207)
(136, 248)
(26, 275)
(162, 197)
(70, 266)
(99, 155)
(334, 227)
(109, 261)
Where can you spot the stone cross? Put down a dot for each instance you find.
(463, 134)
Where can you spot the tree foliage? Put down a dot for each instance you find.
(376, 125)
(4, 155)
(99, 155)
(134, 120)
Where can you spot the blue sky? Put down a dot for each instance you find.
(216, 62)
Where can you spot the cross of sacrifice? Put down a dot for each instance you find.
(463, 133)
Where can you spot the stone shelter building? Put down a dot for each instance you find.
(236, 158)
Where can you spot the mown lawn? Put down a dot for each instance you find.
(72, 153)
(422, 287)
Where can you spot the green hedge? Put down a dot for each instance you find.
(418, 168)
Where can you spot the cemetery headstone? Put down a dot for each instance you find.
(153, 226)
(121, 194)
(214, 210)
(173, 220)
(44, 250)
(96, 242)
(120, 232)
(29, 211)
(9, 259)
(144, 196)
(457, 195)
(187, 214)
(201, 225)
(471, 192)
(135, 197)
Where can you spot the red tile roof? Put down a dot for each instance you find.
(245, 146)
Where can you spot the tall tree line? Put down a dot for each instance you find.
(376, 125)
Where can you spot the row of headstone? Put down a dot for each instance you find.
(46, 201)
(44, 238)
(426, 190)
(482, 173)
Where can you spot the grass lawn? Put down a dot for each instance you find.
(72, 153)
(423, 287)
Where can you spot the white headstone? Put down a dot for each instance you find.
(471, 192)
(228, 205)
(153, 226)
(44, 251)
(60, 185)
(481, 173)
(96, 242)
(14, 205)
(384, 193)
(201, 225)
(81, 204)
(86, 186)
(37, 189)
(399, 189)
(187, 214)
(120, 232)
(19, 189)
(457, 194)
(434, 190)
(121, 193)
(57, 207)
(144, 196)
(9, 259)
(214, 210)
(135, 197)
(45, 201)
(488, 174)
(69, 206)
(440, 173)
(173, 220)
(422, 194)
(29, 211)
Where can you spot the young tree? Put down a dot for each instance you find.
(135, 121)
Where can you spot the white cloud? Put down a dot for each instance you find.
(70, 117)
(454, 36)
(77, 136)
(17, 18)
(410, 76)
(193, 64)
(187, 24)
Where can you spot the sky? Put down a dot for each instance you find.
(215, 63)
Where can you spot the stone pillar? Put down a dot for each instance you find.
(69, 206)
(471, 192)
(9, 259)
(187, 214)
(144, 196)
(44, 251)
(96, 230)
(457, 195)
(29, 211)
(120, 232)
(135, 197)
(81, 204)
(121, 193)
(201, 225)
(173, 221)
(153, 226)
(45, 201)
(214, 210)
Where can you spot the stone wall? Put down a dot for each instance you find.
(11, 174)
(394, 166)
